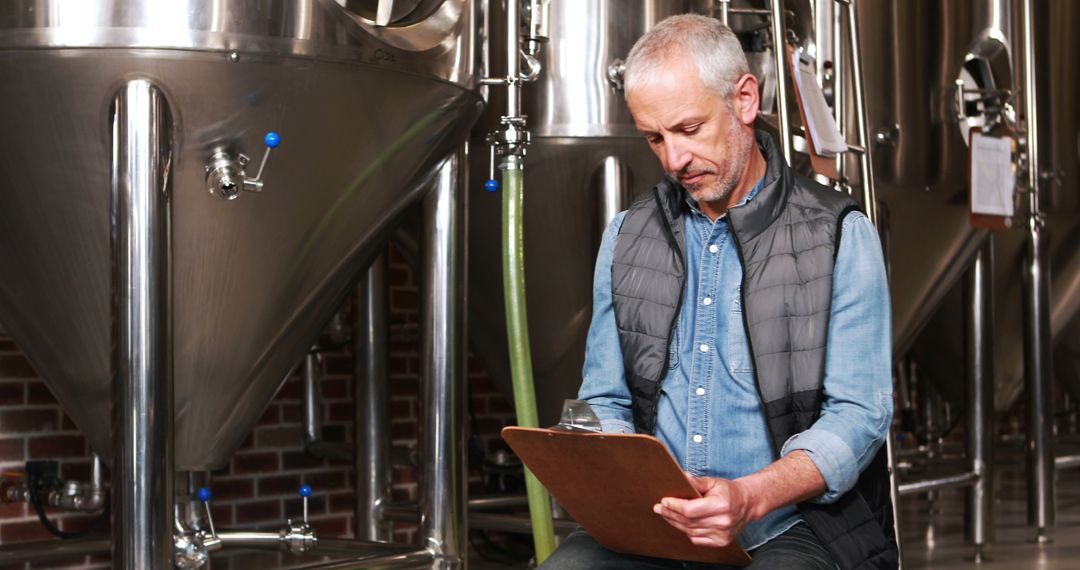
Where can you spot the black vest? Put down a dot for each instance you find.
(787, 238)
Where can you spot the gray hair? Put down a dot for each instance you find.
(715, 50)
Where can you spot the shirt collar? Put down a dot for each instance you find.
(692, 203)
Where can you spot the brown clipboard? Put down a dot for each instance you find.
(991, 222)
(609, 484)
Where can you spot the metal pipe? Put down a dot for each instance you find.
(612, 192)
(1067, 461)
(497, 502)
(513, 72)
(725, 7)
(959, 480)
(780, 60)
(839, 92)
(142, 466)
(372, 436)
(442, 492)
(312, 398)
(514, 523)
(979, 323)
(1036, 291)
(866, 164)
(251, 538)
(415, 559)
(48, 550)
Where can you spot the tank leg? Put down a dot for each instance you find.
(142, 365)
(980, 349)
(372, 422)
(443, 525)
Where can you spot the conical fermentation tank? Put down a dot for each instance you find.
(365, 112)
(584, 165)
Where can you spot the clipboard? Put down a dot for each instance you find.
(989, 221)
(609, 484)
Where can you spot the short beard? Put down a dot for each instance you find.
(726, 182)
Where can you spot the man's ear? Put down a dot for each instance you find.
(746, 99)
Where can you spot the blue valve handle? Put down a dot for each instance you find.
(491, 185)
(305, 491)
(272, 139)
(204, 494)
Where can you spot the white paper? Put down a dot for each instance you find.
(992, 176)
(828, 141)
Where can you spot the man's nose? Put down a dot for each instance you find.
(677, 157)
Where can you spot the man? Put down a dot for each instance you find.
(741, 315)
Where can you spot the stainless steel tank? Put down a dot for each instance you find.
(585, 163)
(364, 114)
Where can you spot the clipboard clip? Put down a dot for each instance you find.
(577, 415)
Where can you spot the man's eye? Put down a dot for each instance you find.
(692, 129)
(654, 139)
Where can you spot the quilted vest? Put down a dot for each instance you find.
(787, 238)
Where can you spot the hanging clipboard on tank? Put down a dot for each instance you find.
(991, 177)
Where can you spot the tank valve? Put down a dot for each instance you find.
(225, 174)
(298, 537)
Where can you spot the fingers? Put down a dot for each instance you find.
(714, 534)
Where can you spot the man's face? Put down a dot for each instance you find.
(692, 130)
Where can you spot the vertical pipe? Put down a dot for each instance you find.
(725, 6)
(1036, 291)
(612, 192)
(142, 365)
(839, 86)
(780, 60)
(979, 336)
(312, 398)
(866, 165)
(513, 73)
(372, 420)
(443, 515)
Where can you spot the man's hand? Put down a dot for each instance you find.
(727, 505)
(717, 518)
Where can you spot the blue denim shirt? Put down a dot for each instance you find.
(710, 414)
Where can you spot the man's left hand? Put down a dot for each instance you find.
(717, 518)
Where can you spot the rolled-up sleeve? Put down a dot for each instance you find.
(857, 406)
(603, 383)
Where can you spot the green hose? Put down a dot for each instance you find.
(517, 333)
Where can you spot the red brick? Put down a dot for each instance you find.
(223, 514)
(294, 508)
(56, 446)
(272, 416)
(75, 470)
(25, 531)
(13, 510)
(68, 424)
(39, 393)
(326, 481)
(12, 393)
(335, 388)
(260, 511)
(337, 526)
(341, 412)
(293, 389)
(342, 502)
(337, 364)
(482, 385)
(499, 405)
(16, 366)
(16, 421)
(293, 460)
(403, 430)
(404, 475)
(283, 485)
(291, 413)
(11, 450)
(279, 436)
(233, 489)
(402, 494)
(404, 386)
(245, 463)
(248, 443)
(401, 409)
(401, 365)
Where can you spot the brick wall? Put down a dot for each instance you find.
(258, 487)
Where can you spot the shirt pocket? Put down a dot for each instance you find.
(737, 345)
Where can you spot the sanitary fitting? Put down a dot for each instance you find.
(225, 176)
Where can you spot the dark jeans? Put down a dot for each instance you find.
(796, 549)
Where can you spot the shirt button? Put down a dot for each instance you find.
(700, 391)
(713, 248)
(704, 348)
(697, 438)
(707, 301)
